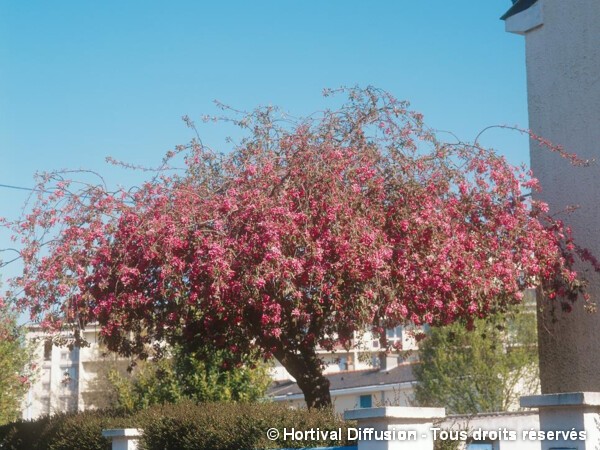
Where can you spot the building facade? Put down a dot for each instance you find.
(68, 378)
(76, 379)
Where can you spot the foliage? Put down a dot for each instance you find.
(65, 431)
(199, 376)
(306, 232)
(486, 369)
(82, 431)
(22, 434)
(187, 425)
(446, 445)
(16, 370)
(209, 426)
(101, 392)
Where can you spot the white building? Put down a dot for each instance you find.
(356, 389)
(360, 377)
(67, 378)
(562, 43)
(364, 354)
(76, 379)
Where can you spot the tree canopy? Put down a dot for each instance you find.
(15, 367)
(486, 369)
(302, 235)
(198, 375)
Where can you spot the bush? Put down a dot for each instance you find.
(216, 426)
(22, 434)
(66, 431)
(183, 426)
(82, 431)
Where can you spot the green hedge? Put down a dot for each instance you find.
(81, 431)
(187, 426)
(182, 426)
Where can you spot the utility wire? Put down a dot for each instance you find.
(8, 186)
(21, 188)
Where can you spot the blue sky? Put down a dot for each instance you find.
(80, 81)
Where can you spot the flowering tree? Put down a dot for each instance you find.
(306, 233)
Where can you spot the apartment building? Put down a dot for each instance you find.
(68, 378)
(75, 379)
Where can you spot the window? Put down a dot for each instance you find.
(47, 350)
(70, 377)
(395, 334)
(366, 401)
(375, 361)
(480, 446)
(45, 401)
(70, 355)
(68, 403)
(343, 363)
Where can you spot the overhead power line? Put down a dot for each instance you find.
(21, 188)
(8, 186)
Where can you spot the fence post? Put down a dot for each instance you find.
(123, 438)
(571, 418)
(395, 427)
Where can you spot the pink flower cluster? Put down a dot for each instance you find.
(301, 236)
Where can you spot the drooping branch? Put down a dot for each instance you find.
(304, 233)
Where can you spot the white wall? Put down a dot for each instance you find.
(563, 84)
(502, 424)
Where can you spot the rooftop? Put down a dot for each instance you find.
(517, 7)
(350, 379)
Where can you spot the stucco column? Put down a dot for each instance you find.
(123, 438)
(568, 421)
(563, 90)
(395, 427)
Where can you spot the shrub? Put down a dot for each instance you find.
(22, 435)
(82, 431)
(182, 426)
(216, 426)
(65, 431)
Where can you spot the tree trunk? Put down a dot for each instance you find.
(307, 369)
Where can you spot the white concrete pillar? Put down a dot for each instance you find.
(395, 427)
(569, 421)
(563, 90)
(123, 438)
